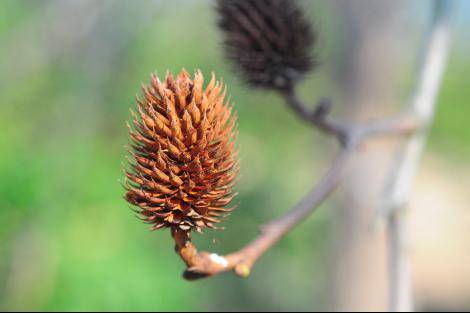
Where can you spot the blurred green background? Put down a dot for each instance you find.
(69, 72)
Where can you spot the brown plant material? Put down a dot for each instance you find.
(184, 163)
(268, 41)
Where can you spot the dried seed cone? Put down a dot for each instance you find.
(184, 164)
(269, 41)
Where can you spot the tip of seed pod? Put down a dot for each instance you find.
(243, 270)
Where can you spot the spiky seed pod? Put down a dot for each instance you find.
(269, 41)
(184, 161)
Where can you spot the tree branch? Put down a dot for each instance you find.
(204, 264)
(350, 136)
(348, 133)
(433, 60)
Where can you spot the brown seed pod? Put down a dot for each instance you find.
(268, 41)
(184, 163)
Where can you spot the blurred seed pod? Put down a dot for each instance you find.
(268, 41)
(183, 162)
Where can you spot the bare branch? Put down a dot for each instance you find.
(317, 117)
(423, 101)
(350, 136)
(205, 264)
(347, 133)
(433, 61)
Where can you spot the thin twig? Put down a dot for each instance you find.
(350, 136)
(347, 132)
(433, 61)
(206, 264)
(318, 116)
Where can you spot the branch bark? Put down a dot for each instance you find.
(205, 264)
(350, 136)
(348, 133)
(433, 60)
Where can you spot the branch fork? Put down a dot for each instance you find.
(350, 136)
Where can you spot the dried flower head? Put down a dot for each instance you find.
(184, 162)
(269, 41)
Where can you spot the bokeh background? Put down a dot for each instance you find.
(69, 72)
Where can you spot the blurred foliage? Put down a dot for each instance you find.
(69, 71)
